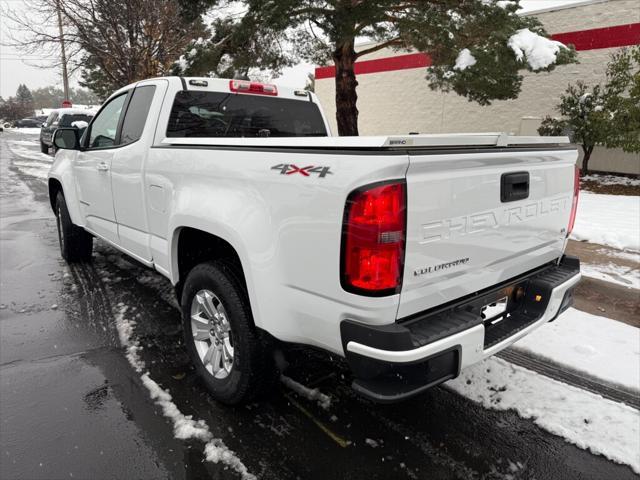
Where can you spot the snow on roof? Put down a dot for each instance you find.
(76, 110)
(544, 6)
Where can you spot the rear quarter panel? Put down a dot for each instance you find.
(286, 229)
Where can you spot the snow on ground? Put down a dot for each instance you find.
(612, 220)
(583, 418)
(26, 131)
(125, 327)
(20, 149)
(613, 273)
(184, 426)
(312, 394)
(633, 256)
(612, 180)
(30, 161)
(34, 169)
(29, 143)
(598, 346)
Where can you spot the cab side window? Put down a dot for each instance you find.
(136, 115)
(105, 125)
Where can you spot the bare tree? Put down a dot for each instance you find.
(111, 42)
(37, 28)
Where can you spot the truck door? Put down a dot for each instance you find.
(92, 169)
(128, 166)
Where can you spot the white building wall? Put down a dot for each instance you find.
(401, 101)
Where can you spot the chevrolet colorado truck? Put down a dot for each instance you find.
(411, 256)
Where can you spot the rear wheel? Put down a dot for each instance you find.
(76, 244)
(232, 358)
(44, 148)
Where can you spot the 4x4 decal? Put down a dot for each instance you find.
(290, 169)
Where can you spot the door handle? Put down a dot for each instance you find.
(102, 167)
(514, 186)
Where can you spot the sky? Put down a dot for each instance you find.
(16, 68)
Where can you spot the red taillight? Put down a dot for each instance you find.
(373, 239)
(243, 86)
(574, 205)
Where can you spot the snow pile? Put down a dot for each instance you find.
(598, 346)
(125, 333)
(612, 220)
(312, 394)
(583, 418)
(184, 426)
(465, 60)
(215, 451)
(612, 180)
(539, 51)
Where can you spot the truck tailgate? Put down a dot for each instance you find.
(477, 218)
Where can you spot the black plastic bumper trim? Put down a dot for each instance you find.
(384, 381)
(403, 381)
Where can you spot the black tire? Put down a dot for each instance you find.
(252, 372)
(44, 148)
(76, 244)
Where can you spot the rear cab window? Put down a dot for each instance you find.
(218, 114)
(67, 120)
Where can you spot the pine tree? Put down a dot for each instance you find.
(24, 97)
(471, 42)
(607, 114)
(233, 46)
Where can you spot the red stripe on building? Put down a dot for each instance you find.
(399, 62)
(609, 37)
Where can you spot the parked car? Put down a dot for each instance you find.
(411, 256)
(63, 118)
(32, 122)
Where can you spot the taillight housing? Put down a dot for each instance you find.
(373, 239)
(244, 86)
(574, 205)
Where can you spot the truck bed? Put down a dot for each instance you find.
(388, 142)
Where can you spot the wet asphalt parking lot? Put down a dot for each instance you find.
(72, 405)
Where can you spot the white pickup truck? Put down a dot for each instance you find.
(411, 256)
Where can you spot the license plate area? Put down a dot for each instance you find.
(495, 312)
(501, 304)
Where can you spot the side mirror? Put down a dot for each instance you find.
(66, 138)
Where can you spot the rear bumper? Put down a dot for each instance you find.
(396, 361)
